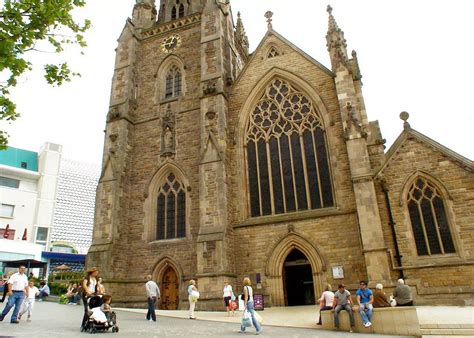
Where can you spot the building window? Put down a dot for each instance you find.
(6, 210)
(287, 158)
(24, 165)
(171, 210)
(273, 53)
(429, 219)
(173, 86)
(41, 235)
(181, 10)
(9, 182)
(178, 10)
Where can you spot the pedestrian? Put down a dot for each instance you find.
(380, 298)
(343, 301)
(29, 302)
(193, 295)
(153, 294)
(17, 290)
(89, 289)
(228, 294)
(402, 294)
(247, 296)
(5, 288)
(43, 291)
(365, 298)
(326, 301)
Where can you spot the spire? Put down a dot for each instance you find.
(336, 43)
(241, 35)
(144, 14)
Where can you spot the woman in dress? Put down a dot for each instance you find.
(326, 301)
(89, 289)
(228, 297)
(247, 296)
(192, 300)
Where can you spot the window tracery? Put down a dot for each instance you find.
(171, 209)
(287, 159)
(429, 219)
(173, 85)
(273, 52)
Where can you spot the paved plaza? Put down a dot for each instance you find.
(54, 320)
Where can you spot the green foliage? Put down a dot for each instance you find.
(23, 26)
(63, 299)
(58, 288)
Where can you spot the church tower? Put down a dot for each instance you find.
(162, 197)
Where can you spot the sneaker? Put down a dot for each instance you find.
(150, 320)
(258, 332)
(1, 318)
(28, 319)
(14, 322)
(369, 324)
(240, 331)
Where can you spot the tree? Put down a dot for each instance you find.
(28, 26)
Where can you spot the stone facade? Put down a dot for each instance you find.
(194, 135)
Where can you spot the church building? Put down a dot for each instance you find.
(220, 164)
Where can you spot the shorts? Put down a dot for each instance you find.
(227, 301)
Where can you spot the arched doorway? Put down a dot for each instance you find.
(298, 279)
(169, 290)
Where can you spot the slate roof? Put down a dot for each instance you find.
(73, 218)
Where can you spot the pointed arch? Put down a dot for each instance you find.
(421, 173)
(273, 51)
(167, 204)
(428, 210)
(171, 78)
(276, 259)
(311, 187)
(162, 264)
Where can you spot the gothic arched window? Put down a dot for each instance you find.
(287, 158)
(173, 13)
(171, 209)
(181, 10)
(273, 52)
(429, 219)
(173, 87)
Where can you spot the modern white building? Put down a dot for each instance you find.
(47, 202)
(28, 185)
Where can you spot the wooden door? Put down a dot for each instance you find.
(169, 290)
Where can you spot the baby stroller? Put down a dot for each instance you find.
(97, 320)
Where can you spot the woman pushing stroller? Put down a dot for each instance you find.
(89, 289)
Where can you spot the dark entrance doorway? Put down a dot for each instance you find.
(169, 290)
(298, 280)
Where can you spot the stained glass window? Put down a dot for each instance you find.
(428, 219)
(171, 209)
(287, 158)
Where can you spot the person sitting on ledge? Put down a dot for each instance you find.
(43, 291)
(402, 294)
(380, 298)
(343, 301)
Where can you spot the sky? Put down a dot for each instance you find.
(415, 56)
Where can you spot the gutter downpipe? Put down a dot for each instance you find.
(392, 224)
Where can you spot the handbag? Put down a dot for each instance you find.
(194, 295)
(232, 297)
(246, 319)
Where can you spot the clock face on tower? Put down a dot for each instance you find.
(170, 44)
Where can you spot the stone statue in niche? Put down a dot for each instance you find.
(168, 145)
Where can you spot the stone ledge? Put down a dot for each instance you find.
(395, 321)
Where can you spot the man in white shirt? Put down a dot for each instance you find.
(17, 290)
(153, 294)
